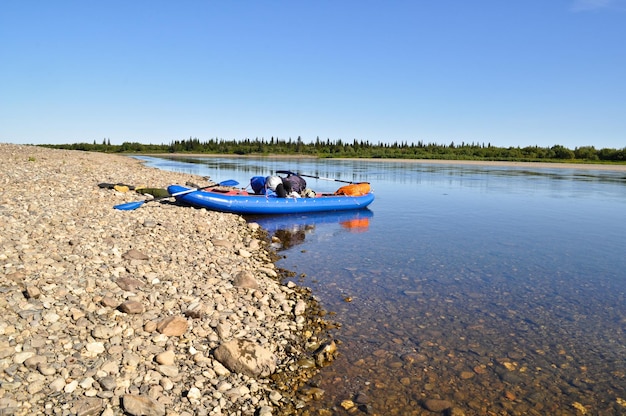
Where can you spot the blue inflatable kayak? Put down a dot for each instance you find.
(241, 202)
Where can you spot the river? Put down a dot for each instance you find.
(479, 289)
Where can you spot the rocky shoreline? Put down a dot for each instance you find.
(162, 310)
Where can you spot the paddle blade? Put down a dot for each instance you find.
(129, 206)
(286, 172)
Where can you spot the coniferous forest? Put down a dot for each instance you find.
(362, 149)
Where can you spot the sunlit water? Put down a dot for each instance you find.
(500, 290)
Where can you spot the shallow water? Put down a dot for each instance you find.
(499, 290)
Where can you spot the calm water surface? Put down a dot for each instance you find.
(501, 290)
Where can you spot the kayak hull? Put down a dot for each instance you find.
(240, 202)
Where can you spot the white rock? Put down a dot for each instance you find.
(70, 387)
(20, 357)
(57, 385)
(95, 348)
(194, 393)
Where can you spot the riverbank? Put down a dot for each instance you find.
(159, 310)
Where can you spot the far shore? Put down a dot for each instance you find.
(542, 165)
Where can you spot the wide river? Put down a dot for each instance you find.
(487, 290)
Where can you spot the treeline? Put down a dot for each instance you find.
(361, 149)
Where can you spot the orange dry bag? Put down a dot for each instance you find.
(356, 189)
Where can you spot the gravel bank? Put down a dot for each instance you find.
(142, 312)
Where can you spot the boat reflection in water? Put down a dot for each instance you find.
(287, 231)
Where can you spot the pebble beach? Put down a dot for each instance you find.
(161, 310)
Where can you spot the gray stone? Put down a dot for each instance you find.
(108, 383)
(173, 326)
(105, 332)
(129, 284)
(88, 407)
(245, 279)
(300, 308)
(138, 405)
(221, 242)
(131, 307)
(135, 255)
(166, 358)
(246, 357)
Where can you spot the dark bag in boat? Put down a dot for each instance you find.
(258, 184)
(294, 183)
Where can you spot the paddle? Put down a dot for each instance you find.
(113, 185)
(129, 206)
(315, 177)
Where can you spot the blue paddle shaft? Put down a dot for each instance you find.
(129, 206)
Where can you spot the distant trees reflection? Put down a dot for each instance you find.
(360, 149)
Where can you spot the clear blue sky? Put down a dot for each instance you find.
(509, 73)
